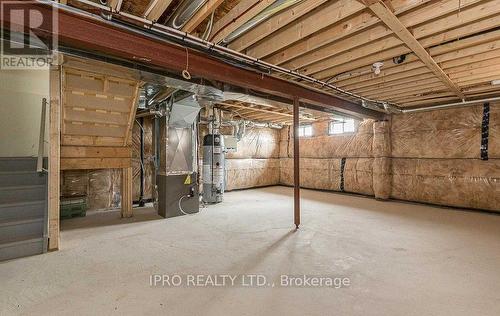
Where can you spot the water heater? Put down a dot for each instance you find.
(213, 168)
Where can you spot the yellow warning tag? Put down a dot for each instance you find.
(188, 179)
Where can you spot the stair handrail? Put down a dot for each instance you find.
(41, 140)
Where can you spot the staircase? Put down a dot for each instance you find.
(23, 208)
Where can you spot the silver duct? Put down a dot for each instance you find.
(184, 13)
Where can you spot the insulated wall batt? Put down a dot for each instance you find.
(256, 162)
(101, 187)
(321, 157)
(382, 159)
(250, 173)
(436, 158)
(147, 126)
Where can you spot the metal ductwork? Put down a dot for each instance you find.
(184, 13)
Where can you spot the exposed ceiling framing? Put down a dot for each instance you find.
(156, 8)
(100, 37)
(266, 113)
(432, 51)
(386, 15)
(209, 7)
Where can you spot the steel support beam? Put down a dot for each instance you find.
(94, 34)
(296, 163)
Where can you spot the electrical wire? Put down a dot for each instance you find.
(180, 205)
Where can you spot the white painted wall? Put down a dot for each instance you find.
(21, 93)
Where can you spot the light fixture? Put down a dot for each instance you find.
(495, 82)
(376, 67)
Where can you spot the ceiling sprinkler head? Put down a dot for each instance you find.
(376, 67)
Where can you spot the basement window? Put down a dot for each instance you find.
(343, 126)
(305, 131)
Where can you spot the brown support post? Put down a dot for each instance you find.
(296, 170)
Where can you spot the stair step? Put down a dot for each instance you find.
(22, 210)
(26, 193)
(18, 164)
(22, 248)
(18, 178)
(21, 229)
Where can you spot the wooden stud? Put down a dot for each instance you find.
(155, 9)
(237, 17)
(309, 25)
(95, 152)
(278, 21)
(54, 159)
(201, 15)
(133, 110)
(126, 193)
(95, 163)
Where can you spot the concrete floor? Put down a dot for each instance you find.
(401, 259)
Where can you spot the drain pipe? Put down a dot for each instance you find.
(172, 34)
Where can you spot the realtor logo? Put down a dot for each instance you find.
(26, 34)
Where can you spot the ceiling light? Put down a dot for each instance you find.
(376, 67)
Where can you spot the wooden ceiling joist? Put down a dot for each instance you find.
(261, 113)
(453, 48)
(278, 21)
(156, 8)
(119, 42)
(367, 43)
(337, 31)
(330, 13)
(432, 50)
(449, 55)
(201, 15)
(378, 37)
(386, 15)
(115, 4)
(239, 15)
